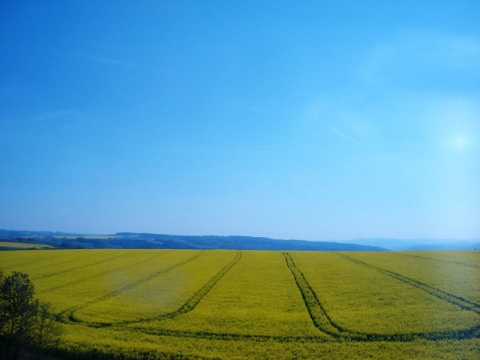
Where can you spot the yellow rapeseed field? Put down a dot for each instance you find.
(230, 304)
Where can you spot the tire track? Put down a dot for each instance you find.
(440, 260)
(469, 333)
(30, 263)
(342, 334)
(190, 304)
(66, 284)
(335, 333)
(70, 261)
(319, 316)
(69, 313)
(459, 301)
(60, 255)
(229, 336)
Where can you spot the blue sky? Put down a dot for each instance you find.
(312, 120)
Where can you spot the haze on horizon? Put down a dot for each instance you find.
(310, 120)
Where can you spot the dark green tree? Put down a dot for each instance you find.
(25, 322)
(18, 307)
(46, 331)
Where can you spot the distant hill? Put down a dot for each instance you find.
(128, 240)
(420, 244)
(125, 240)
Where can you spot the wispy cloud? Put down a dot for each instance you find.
(45, 116)
(414, 53)
(341, 134)
(101, 59)
(455, 122)
(55, 114)
(109, 61)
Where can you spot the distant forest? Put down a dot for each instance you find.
(126, 240)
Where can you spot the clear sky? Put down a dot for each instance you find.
(317, 120)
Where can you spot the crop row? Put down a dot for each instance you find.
(461, 263)
(192, 302)
(259, 297)
(437, 269)
(48, 257)
(101, 274)
(325, 323)
(68, 314)
(317, 313)
(230, 336)
(83, 266)
(319, 317)
(131, 345)
(442, 295)
(346, 336)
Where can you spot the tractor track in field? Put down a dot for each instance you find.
(470, 333)
(331, 331)
(49, 259)
(69, 313)
(72, 269)
(319, 316)
(66, 284)
(190, 304)
(339, 333)
(103, 261)
(440, 260)
(229, 336)
(29, 263)
(453, 299)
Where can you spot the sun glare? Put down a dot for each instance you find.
(460, 142)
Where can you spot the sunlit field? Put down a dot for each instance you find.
(11, 245)
(258, 304)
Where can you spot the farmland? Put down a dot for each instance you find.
(259, 304)
(12, 245)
